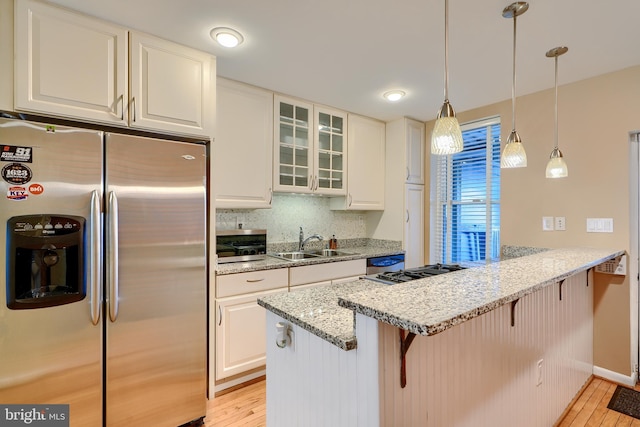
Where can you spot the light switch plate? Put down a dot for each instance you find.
(617, 266)
(561, 223)
(547, 223)
(599, 225)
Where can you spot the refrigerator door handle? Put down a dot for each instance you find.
(95, 280)
(113, 256)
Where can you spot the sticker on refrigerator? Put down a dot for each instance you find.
(17, 193)
(16, 173)
(12, 153)
(36, 189)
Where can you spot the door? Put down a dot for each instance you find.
(51, 354)
(171, 87)
(244, 135)
(366, 158)
(293, 153)
(414, 225)
(156, 282)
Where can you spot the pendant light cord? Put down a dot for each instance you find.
(513, 86)
(556, 109)
(446, 50)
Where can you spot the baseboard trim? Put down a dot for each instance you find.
(615, 377)
(236, 381)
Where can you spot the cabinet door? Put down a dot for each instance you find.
(171, 87)
(69, 65)
(414, 225)
(330, 140)
(242, 160)
(293, 166)
(415, 151)
(366, 156)
(240, 334)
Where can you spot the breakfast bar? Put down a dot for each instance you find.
(494, 343)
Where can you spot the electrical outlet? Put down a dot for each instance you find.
(547, 223)
(539, 373)
(561, 223)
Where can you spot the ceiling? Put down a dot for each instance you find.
(346, 53)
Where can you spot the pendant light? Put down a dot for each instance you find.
(557, 167)
(514, 155)
(446, 137)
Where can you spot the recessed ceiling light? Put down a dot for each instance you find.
(227, 37)
(393, 95)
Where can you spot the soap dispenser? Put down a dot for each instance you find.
(333, 242)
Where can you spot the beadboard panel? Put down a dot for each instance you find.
(311, 382)
(484, 371)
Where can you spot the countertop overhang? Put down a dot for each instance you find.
(431, 305)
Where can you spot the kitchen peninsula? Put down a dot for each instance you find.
(508, 343)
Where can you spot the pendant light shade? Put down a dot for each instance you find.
(556, 167)
(514, 154)
(446, 137)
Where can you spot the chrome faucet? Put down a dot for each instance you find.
(302, 241)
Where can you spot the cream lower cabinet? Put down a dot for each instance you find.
(75, 66)
(244, 135)
(315, 275)
(241, 322)
(365, 166)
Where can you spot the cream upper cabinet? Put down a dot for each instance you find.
(242, 151)
(75, 66)
(6, 55)
(366, 166)
(69, 65)
(330, 137)
(309, 148)
(171, 87)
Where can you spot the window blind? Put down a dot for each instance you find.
(465, 197)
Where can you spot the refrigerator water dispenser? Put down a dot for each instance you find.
(45, 261)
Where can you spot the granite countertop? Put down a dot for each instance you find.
(356, 252)
(432, 305)
(317, 310)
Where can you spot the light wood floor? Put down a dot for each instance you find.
(246, 407)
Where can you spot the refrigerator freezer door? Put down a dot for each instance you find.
(51, 355)
(156, 317)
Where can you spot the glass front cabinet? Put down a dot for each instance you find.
(310, 148)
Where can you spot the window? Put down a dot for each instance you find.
(465, 197)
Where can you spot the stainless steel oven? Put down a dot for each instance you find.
(241, 245)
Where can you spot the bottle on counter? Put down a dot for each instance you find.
(333, 242)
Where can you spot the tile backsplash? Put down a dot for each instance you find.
(289, 212)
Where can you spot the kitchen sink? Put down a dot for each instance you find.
(329, 252)
(299, 255)
(294, 256)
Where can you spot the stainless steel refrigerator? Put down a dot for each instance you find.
(104, 274)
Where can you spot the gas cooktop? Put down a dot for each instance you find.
(392, 277)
